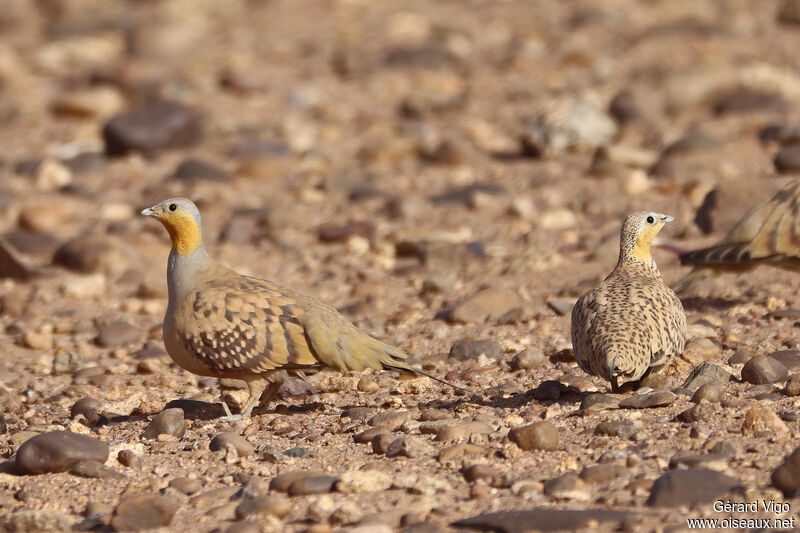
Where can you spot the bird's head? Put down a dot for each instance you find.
(182, 220)
(638, 232)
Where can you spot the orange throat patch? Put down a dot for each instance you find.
(183, 231)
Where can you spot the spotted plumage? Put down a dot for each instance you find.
(222, 324)
(631, 322)
(768, 234)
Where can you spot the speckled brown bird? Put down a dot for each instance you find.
(222, 324)
(631, 323)
(768, 234)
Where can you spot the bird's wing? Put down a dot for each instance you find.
(770, 229)
(242, 325)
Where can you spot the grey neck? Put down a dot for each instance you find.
(181, 269)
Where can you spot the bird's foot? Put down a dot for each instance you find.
(230, 417)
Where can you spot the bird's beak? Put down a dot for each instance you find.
(148, 212)
(666, 219)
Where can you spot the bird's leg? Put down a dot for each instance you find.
(255, 387)
(267, 395)
(612, 377)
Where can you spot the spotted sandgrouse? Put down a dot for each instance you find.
(631, 323)
(222, 324)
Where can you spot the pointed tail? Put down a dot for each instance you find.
(392, 357)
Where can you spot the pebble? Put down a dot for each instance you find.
(598, 402)
(760, 419)
(95, 469)
(311, 485)
(536, 436)
(788, 158)
(186, 485)
(210, 497)
(357, 413)
(369, 435)
(390, 420)
(648, 400)
(90, 253)
(711, 461)
(480, 471)
(430, 485)
(463, 430)
(793, 386)
(66, 363)
(435, 426)
(472, 349)
(228, 438)
(742, 100)
(37, 341)
(143, 511)
(58, 451)
(411, 447)
(155, 126)
(710, 392)
(706, 373)
(603, 473)
(367, 385)
(276, 505)
(568, 124)
(36, 521)
(546, 519)
(196, 169)
(167, 422)
(298, 452)
(528, 359)
(118, 333)
(624, 107)
(618, 428)
(567, 487)
(129, 458)
(690, 487)
(699, 350)
(459, 451)
(363, 481)
(789, 358)
(549, 391)
(786, 477)
(381, 442)
(764, 369)
(486, 306)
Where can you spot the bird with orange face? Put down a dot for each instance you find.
(222, 324)
(632, 323)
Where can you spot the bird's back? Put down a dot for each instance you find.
(240, 325)
(631, 316)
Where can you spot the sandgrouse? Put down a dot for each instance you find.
(222, 324)
(768, 234)
(631, 323)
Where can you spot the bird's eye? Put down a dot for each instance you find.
(650, 219)
(174, 207)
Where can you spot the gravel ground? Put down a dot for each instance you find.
(451, 176)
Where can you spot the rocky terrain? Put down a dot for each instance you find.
(450, 175)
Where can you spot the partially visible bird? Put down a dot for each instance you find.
(768, 234)
(222, 324)
(631, 323)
